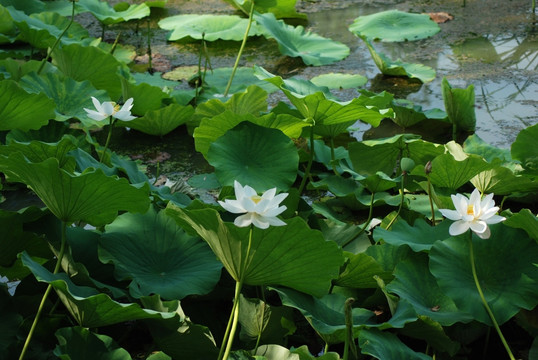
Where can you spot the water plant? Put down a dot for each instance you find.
(333, 247)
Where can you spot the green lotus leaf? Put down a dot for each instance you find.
(92, 196)
(475, 145)
(416, 284)
(244, 77)
(159, 257)
(70, 96)
(370, 156)
(394, 25)
(253, 317)
(279, 8)
(208, 27)
(16, 69)
(293, 88)
(304, 354)
(524, 149)
(326, 315)
(28, 6)
(21, 110)
(293, 255)
(505, 269)
(7, 26)
(41, 30)
(339, 81)
(162, 121)
(450, 173)
(78, 343)
(502, 181)
(379, 182)
(154, 79)
(258, 156)
(296, 42)
(107, 15)
(459, 106)
(398, 67)
(252, 101)
(146, 97)
(93, 64)
(384, 345)
(407, 114)
(360, 271)
(525, 220)
(88, 307)
(433, 333)
(211, 129)
(159, 356)
(419, 237)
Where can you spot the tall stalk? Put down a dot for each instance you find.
(310, 161)
(46, 294)
(110, 126)
(250, 15)
(49, 53)
(484, 301)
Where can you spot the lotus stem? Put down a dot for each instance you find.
(49, 53)
(349, 341)
(46, 294)
(110, 126)
(310, 161)
(481, 293)
(431, 200)
(402, 197)
(235, 308)
(250, 16)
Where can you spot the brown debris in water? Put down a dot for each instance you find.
(441, 17)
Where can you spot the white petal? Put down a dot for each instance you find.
(269, 194)
(249, 191)
(487, 213)
(97, 104)
(243, 220)
(239, 194)
(232, 206)
(260, 222)
(479, 226)
(95, 115)
(128, 105)
(107, 108)
(495, 219)
(459, 227)
(124, 115)
(485, 235)
(279, 198)
(460, 203)
(275, 211)
(274, 221)
(487, 202)
(450, 214)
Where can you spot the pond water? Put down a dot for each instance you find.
(492, 44)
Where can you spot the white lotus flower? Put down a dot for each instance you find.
(472, 213)
(261, 211)
(110, 108)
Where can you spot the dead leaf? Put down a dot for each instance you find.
(441, 17)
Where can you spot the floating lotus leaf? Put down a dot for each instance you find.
(395, 25)
(159, 257)
(208, 27)
(280, 8)
(505, 269)
(244, 77)
(292, 255)
(92, 196)
(21, 110)
(399, 68)
(78, 343)
(107, 15)
(258, 156)
(88, 307)
(70, 96)
(296, 42)
(162, 121)
(524, 149)
(41, 30)
(339, 81)
(384, 345)
(419, 237)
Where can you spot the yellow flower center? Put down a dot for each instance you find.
(117, 108)
(470, 210)
(256, 198)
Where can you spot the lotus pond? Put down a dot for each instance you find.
(261, 179)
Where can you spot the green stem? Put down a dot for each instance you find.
(333, 157)
(370, 214)
(349, 341)
(401, 202)
(431, 200)
(228, 328)
(250, 16)
(49, 53)
(110, 126)
(479, 288)
(310, 161)
(150, 60)
(235, 309)
(46, 294)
